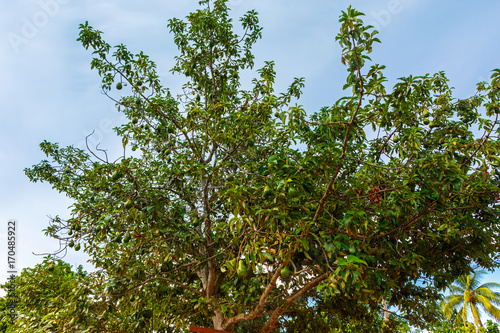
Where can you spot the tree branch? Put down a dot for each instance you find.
(271, 323)
(260, 306)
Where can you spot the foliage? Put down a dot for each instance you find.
(467, 292)
(54, 298)
(220, 188)
(5, 318)
(51, 297)
(446, 327)
(492, 327)
(321, 313)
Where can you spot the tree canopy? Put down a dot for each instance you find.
(229, 206)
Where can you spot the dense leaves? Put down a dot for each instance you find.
(51, 297)
(446, 327)
(388, 194)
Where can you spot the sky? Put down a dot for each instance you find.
(48, 91)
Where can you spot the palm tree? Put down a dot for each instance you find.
(466, 291)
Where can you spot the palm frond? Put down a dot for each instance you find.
(489, 285)
(452, 302)
(493, 297)
(489, 308)
(475, 314)
(475, 279)
(456, 289)
(459, 316)
(460, 283)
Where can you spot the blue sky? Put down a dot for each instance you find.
(49, 92)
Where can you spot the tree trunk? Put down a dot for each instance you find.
(386, 311)
(218, 319)
(386, 315)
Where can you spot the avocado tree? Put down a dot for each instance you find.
(228, 205)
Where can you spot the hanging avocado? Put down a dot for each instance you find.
(267, 191)
(285, 272)
(128, 204)
(242, 269)
(293, 192)
(116, 175)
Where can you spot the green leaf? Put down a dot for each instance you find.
(354, 259)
